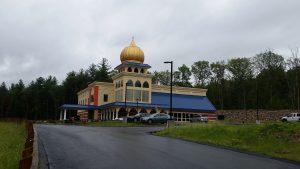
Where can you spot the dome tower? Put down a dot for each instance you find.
(132, 53)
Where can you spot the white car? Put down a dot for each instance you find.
(291, 117)
(119, 119)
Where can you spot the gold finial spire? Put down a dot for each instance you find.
(132, 43)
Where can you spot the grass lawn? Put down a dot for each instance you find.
(113, 124)
(280, 140)
(12, 140)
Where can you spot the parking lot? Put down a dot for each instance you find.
(67, 146)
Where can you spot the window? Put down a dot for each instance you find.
(129, 95)
(145, 96)
(142, 70)
(137, 95)
(129, 83)
(146, 84)
(136, 70)
(138, 84)
(105, 98)
(129, 69)
(121, 83)
(119, 95)
(92, 98)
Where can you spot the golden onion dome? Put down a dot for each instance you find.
(132, 53)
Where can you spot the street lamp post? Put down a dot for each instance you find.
(257, 117)
(171, 88)
(137, 105)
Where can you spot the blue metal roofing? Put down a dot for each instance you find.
(159, 100)
(132, 104)
(79, 107)
(184, 102)
(133, 64)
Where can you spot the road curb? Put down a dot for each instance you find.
(35, 153)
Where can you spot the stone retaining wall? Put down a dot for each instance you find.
(264, 115)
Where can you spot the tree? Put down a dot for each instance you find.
(182, 76)
(103, 71)
(162, 78)
(177, 78)
(4, 98)
(155, 78)
(17, 106)
(268, 60)
(293, 78)
(92, 72)
(201, 72)
(218, 73)
(241, 71)
(272, 80)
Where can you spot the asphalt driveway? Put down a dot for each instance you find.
(63, 147)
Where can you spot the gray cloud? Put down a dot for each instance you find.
(46, 37)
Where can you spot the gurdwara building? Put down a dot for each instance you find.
(107, 101)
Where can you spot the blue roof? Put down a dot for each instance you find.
(184, 102)
(132, 104)
(79, 107)
(159, 100)
(133, 64)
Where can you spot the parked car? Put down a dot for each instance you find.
(137, 117)
(119, 119)
(291, 117)
(156, 118)
(199, 118)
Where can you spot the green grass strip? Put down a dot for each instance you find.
(281, 140)
(12, 140)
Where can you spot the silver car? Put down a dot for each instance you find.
(199, 118)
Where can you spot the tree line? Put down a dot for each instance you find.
(264, 81)
(42, 97)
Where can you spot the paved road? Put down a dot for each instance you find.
(117, 148)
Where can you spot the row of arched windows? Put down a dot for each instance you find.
(138, 84)
(136, 70)
(130, 83)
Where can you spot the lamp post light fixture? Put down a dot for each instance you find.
(171, 87)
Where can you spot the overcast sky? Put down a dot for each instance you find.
(48, 37)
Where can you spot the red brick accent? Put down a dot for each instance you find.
(96, 95)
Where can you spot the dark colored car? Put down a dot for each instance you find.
(199, 118)
(137, 117)
(156, 118)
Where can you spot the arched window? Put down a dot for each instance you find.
(146, 84)
(138, 84)
(136, 70)
(129, 83)
(142, 70)
(129, 69)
